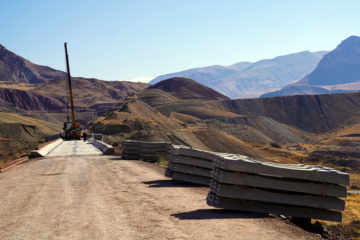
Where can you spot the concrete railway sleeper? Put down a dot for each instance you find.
(13, 163)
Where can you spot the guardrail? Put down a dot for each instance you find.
(13, 163)
(241, 183)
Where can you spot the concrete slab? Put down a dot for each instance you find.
(191, 178)
(137, 157)
(146, 144)
(240, 163)
(74, 148)
(278, 183)
(47, 149)
(155, 152)
(189, 169)
(148, 148)
(204, 163)
(260, 207)
(168, 173)
(191, 152)
(105, 148)
(282, 197)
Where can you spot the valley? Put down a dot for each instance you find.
(317, 129)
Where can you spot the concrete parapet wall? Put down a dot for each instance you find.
(104, 147)
(46, 149)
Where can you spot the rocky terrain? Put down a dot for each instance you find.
(310, 129)
(14, 68)
(337, 72)
(12, 99)
(34, 101)
(21, 134)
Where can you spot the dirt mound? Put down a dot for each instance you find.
(17, 139)
(185, 88)
(184, 117)
(19, 135)
(222, 142)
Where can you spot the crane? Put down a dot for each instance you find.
(72, 129)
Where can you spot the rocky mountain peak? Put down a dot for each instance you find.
(185, 88)
(340, 66)
(350, 42)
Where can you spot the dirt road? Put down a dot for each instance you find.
(102, 197)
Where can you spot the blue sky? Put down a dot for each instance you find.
(125, 40)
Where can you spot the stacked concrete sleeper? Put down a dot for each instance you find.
(240, 183)
(149, 151)
(190, 165)
(304, 191)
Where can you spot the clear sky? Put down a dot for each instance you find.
(129, 39)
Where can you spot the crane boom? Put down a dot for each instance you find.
(70, 87)
(73, 131)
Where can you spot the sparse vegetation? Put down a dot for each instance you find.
(162, 160)
(275, 145)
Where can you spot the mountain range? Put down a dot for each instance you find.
(196, 119)
(337, 72)
(246, 79)
(26, 86)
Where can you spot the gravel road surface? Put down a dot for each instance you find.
(103, 197)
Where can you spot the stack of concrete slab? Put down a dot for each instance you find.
(305, 191)
(149, 151)
(190, 165)
(96, 136)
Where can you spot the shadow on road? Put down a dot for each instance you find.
(203, 214)
(52, 174)
(170, 183)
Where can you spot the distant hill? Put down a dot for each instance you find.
(337, 72)
(90, 91)
(242, 126)
(41, 92)
(185, 88)
(14, 68)
(12, 99)
(242, 79)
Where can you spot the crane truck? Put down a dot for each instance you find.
(72, 130)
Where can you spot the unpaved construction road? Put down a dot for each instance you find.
(102, 197)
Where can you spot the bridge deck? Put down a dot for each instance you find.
(74, 148)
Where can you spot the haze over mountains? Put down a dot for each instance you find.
(337, 72)
(243, 79)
